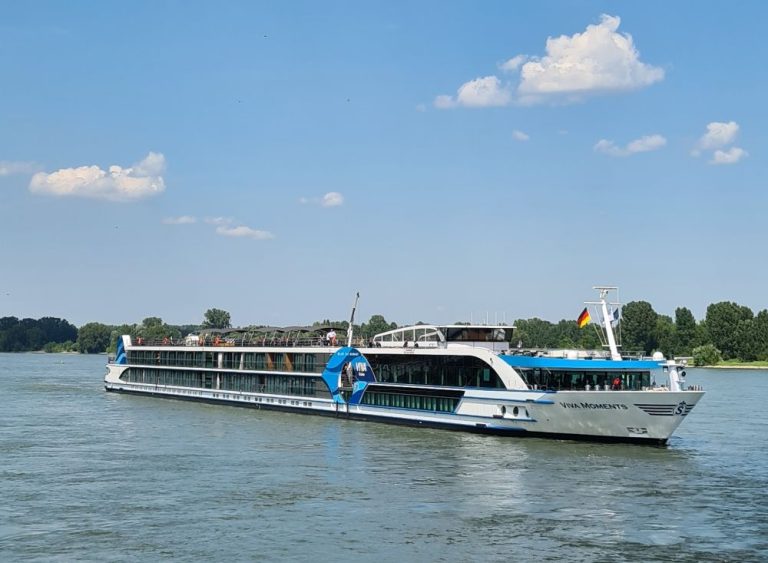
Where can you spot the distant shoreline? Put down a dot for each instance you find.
(729, 367)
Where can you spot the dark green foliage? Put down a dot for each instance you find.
(706, 355)
(217, 318)
(665, 336)
(730, 331)
(93, 338)
(639, 327)
(760, 328)
(726, 326)
(30, 334)
(153, 329)
(374, 326)
(537, 333)
(686, 333)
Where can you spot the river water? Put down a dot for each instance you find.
(95, 476)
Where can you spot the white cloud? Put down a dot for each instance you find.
(595, 61)
(421, 108)
(643, 144)
(331, 199)
(181, 220)
(117, 184)
(718, 135)
(243, 231)
(731, 156)
(480, 92)
(513, 64)
(444, 102)
(520, 136)
(227, 227)
(8, 168)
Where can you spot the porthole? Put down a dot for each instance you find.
(515, 411)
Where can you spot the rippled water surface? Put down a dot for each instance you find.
(87, 475)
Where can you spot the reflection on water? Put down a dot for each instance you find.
(90, 475)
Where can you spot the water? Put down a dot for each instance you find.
(95, 476)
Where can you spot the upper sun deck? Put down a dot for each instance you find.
(491, 337)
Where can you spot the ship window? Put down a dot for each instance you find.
(564, 380)
(454, 371)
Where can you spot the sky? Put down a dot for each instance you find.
(450, 161)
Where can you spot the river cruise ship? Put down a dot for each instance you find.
(462, 377)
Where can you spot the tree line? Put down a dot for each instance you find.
(729, 331)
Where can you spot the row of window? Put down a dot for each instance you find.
(268, 361)
(454, 371)
(578, 380)
(416, 402)
(248, 383)
(413, 369)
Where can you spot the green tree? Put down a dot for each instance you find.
(154, 329)
(375, 325)
(760, 328)
(665, 336)
(57, 330)
(216, 318)
(746, 340)
(685, 331)
(723, 327)
(638, 326)
(93, 338)
(706, 355)
(535, 333)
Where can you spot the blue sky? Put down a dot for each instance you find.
(446, 160)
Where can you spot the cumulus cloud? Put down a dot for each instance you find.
(513, 64)
(718, 135)
(331, 199)
(181, 220)
(520, 136)
(228, 227)
(731, 156)
(597, 60)
(643, 144)
(243, 231)
(478, 93)
(7, 168)
(143, 179)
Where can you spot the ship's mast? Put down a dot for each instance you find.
(352, 320)
(607, 319)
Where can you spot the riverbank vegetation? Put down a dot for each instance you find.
(729, 335)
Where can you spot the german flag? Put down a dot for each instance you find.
(584, 318)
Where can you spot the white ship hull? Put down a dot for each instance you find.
(627, 416)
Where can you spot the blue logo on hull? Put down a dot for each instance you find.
(347, 368)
